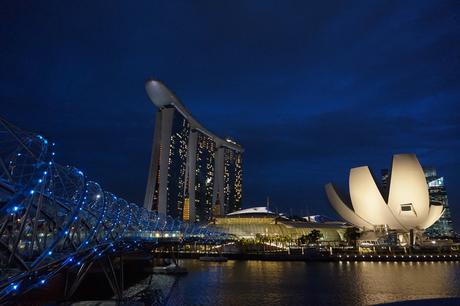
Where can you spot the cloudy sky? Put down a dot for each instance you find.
(309, 88)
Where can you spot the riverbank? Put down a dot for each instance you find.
(427, 257)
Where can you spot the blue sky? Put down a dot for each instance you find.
(309, 88)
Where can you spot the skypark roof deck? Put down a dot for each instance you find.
(162, 97)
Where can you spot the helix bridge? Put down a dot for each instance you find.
(54, 219)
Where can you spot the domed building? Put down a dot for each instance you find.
(404, 206)
(250, 222)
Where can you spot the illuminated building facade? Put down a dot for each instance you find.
(232, 180)
(186, 210)
(443, 227)
(177, 161)
(205, 160)
(259, 221)
(438, 194)
(191, 169)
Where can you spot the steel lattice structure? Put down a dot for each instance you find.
(53, 218)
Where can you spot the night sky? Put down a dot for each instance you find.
(310, 89)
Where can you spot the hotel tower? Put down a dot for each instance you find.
(194, 174)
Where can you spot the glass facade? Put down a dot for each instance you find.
(233, 175)
(204, 176)
(177, 164)
(438, 194)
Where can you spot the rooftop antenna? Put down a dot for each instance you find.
(268, 203)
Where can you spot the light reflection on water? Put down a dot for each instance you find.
(298, 283)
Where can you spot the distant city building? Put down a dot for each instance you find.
(403, 206)
(438, 194)
(191, 169)
(443, 227)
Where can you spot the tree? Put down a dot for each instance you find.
(314, 236)
(311, 237)
(352, 235)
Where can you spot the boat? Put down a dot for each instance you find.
(170, 269)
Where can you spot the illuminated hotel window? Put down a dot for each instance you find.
(186, 212)
(177, 165)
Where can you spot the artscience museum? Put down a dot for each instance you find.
(403, 206)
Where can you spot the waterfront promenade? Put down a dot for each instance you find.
(322, 256)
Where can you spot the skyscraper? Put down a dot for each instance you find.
(443, 227)
(438, 194)
(191, 169)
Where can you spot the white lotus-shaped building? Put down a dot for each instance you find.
(404, 206)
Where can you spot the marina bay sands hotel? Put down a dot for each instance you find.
(194, 174)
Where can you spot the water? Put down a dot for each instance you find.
(297, 283)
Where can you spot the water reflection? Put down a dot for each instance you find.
(298, 283)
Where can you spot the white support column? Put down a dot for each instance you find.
(154, 159)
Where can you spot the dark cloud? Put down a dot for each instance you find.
(309, 88)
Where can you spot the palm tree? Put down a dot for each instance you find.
(352, 235)
(311, 237)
